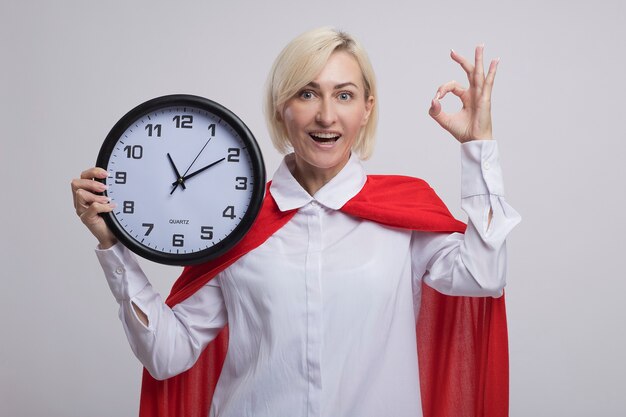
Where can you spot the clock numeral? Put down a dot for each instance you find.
(129, 207)
(212, 129)
(183, 122)
(229, 212)
(150, 226)
(206, 232)
(135, 152)
(153, 129)
(233, 154)
(242, 183)
(177, 240)
(120, 177)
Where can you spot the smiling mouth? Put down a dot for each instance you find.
(325, 137)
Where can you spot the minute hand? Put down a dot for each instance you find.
(193, 174)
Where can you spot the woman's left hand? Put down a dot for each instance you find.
(473, 121)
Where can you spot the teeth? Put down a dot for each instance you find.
(325, 135)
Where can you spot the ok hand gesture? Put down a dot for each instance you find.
(473, 121)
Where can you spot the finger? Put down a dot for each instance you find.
(84, 199)
(85, 186)
(440, 116)
(91, 215)
(94, 172)
(450, 87)
(88, 184)
(455, 88)
(86, 181)
(479, 72)
(436, 111)
(435, 107)
(491, 76)
(465, 64)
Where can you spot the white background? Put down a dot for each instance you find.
(70, 69)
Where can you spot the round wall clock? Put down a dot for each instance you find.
(187, 177)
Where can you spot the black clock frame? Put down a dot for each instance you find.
(258, 183)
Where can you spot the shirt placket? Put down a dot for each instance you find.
(314, 308)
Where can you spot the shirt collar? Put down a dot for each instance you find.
(289, 194)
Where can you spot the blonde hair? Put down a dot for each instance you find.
(298, 64)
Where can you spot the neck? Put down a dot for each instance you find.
(312, 178)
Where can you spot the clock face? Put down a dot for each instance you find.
(187, 178)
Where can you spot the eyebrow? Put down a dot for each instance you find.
(337, 87)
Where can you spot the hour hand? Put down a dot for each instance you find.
(179, 179)
(193, 174)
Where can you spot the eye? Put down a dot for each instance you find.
(344, 96)
(306, 94)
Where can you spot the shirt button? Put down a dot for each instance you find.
(119, 270)
(486, 165)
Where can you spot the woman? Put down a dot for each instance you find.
(322, 313)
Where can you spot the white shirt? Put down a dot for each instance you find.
(322, 315)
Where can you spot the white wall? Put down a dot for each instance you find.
(70, 69)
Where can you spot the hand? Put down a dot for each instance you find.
(89, 205)
(193, 174)
(182, 180)
(179, 179)
(473, 121)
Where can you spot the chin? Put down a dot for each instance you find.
(326, 162)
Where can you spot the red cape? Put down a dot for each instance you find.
(462, 341)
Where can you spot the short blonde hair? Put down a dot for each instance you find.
(298, 64)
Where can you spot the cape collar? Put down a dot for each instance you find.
(290, 195)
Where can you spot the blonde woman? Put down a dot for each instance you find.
(322, 311)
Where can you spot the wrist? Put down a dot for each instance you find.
(107, 243)
(486, 137)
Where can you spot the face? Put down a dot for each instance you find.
(325, 117)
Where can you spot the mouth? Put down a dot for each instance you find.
(325, 138)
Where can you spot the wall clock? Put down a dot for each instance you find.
(187, 177)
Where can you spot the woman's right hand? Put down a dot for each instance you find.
(89, 205)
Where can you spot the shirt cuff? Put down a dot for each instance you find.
(480, 169)
(122, 272)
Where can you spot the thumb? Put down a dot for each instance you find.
(437, 113)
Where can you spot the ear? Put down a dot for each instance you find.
(281, 122)
(369, 106)
(278, 111)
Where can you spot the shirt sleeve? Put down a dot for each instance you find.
(473, 263)
(174, 337)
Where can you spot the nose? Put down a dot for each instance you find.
(326, 113)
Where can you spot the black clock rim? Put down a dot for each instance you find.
(258, 184)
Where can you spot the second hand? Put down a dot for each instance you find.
(192, 162)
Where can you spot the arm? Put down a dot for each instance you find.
(169, 340)
(89, 206)
(474, 263)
